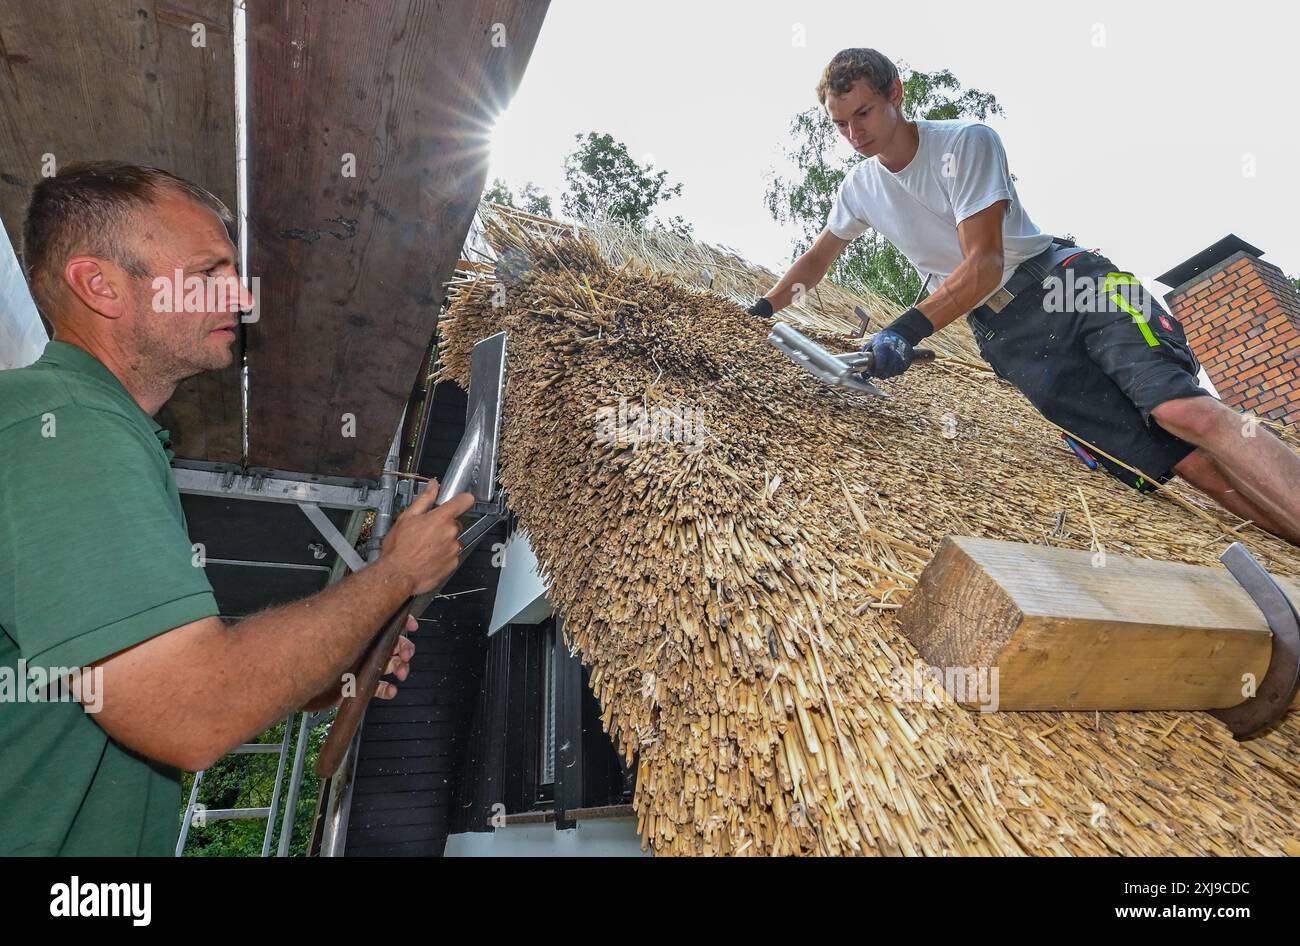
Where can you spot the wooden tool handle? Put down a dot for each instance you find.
(353, 708)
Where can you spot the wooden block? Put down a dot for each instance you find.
(1066, 633)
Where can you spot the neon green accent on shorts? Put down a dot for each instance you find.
(1128, 279)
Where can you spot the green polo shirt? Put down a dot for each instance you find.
(95, 557)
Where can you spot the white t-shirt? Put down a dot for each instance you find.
(959, 169)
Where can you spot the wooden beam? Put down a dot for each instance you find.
(1068, 630)
(368, 155)
(144, 81)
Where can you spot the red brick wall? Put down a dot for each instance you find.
(1243, 322)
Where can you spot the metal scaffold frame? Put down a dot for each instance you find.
(311, 497)
(393, 493)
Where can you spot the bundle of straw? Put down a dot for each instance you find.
(731, 581)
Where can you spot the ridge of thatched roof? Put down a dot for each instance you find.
(827, 308)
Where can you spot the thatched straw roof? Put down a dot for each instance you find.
(735, 596)
(719, 270)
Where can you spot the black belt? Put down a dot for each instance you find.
(1030, 274)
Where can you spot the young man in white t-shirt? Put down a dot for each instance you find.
(1093, 352)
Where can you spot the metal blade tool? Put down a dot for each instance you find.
(473, 469)
(849, 370)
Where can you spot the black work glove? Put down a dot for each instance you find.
(762, 309)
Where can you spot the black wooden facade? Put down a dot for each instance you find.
(464, 744)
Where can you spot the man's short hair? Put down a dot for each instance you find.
(89, 209)
(850, 65)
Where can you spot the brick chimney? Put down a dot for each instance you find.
(1242, 318)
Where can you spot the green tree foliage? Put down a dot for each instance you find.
(534, 201)
(530, 200)
(247, 781)
(677, 225)
(605, 183)
(869, 262)
(499, 193)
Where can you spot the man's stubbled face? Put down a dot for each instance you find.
(179, 238)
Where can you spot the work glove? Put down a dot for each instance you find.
(892, 351)
(894, 346)
(761, 309)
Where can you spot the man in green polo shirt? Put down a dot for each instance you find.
(96, 566)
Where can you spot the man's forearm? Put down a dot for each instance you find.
(802, 276)
(187, 696)
(224, 684)
(972, 281)
(292, 654)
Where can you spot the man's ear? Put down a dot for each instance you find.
(896, 94)
(98, 283)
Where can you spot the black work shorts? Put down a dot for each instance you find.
(1095, 353)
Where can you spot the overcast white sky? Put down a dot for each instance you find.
(1139, 146)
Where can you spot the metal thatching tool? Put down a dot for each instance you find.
(473, 469)
(844, 371)
(1280, 682)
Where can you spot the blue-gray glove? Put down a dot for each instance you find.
(892, 351)
(893, 345)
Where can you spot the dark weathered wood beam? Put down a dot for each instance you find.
(368, 153)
